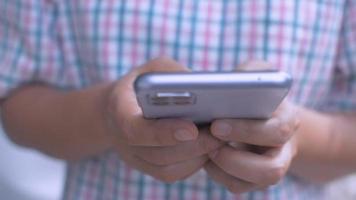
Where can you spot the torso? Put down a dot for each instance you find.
(105, 39)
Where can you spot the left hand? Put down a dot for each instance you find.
(260, 151)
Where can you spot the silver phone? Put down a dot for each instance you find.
(203, 97)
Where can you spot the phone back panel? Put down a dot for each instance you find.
(203, 97)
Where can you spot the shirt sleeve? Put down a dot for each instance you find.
(342, 94)
(29, 50)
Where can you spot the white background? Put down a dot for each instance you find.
(28, 175)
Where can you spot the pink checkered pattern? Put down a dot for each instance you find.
(76, 44)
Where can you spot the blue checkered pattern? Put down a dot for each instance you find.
(76, 44)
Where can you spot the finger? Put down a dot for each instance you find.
(273, 132)
(265, 169)
(258, 65)
(161, 132)
(170, 173)
(124, 92)
(204, 144)
(127, 115)
(233, 184)
(162, 64)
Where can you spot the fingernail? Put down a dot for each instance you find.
(183, 135)
(222, 129)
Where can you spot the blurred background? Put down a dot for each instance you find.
(29, 175)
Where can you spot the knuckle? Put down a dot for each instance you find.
(273, 175)
(284, 132)
(206, 144)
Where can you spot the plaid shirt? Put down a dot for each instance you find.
(76, 44)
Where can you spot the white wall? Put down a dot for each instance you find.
(344, 189)
(28, 175)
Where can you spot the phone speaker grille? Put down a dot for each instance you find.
(172, 98)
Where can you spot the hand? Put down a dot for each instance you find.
(167, 149)
(259, 151)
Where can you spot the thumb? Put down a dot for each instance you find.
(257, 65)
(162, 64)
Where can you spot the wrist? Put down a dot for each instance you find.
(101, 95)
(106, 111)
(87, 120)
(313, 144)
(313, 132)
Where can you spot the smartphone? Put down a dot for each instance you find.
(205, 96)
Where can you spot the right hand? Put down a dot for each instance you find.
(167, 149)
